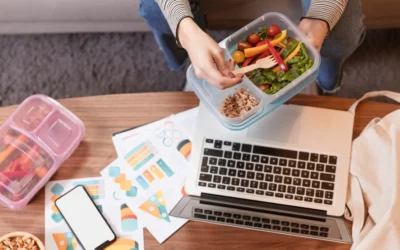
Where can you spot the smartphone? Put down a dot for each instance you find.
(85, 220)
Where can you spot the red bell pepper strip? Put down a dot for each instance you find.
(264, 54)
(277, 57)
(248, 61)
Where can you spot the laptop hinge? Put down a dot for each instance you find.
(258, 205)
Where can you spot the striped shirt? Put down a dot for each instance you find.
(326, 10)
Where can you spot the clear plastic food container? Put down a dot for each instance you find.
(213, 97)
(34, 141)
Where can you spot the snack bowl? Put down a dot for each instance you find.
(23, 238)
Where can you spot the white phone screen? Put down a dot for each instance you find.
(83, 218)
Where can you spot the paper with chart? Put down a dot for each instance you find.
(118, 214)
(150, 176)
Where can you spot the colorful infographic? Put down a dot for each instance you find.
(124, 184)
(56, 191)
(95, 188)
(123, 244)
(65, 241)
(156, 171)
(185, 148)
(156, 206)
(129, 222)
(139, 156)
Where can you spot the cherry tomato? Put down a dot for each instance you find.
(273, 30)
(238, 56)
(253, 39)
(264, 87)
(244, 45)
(261, 43)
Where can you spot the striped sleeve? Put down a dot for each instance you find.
(174, 11)
(327, 10)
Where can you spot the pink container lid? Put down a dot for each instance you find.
(34, 141)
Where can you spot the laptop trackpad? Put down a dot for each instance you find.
(282, 125)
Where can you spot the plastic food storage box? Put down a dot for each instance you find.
(212, 97)
(34, 141)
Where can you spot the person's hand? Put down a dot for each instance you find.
(315, 30)
(204, 52)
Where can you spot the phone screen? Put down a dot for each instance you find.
(84, 219)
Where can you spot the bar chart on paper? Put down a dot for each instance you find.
(157, 171)
(139, 156)
(95, 188)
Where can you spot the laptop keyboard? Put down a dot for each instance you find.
(260, 222)
(265, 171)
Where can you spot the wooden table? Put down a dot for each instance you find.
(104, 115)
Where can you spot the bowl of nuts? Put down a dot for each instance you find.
(20, 240)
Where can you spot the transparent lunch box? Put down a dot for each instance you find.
(34, 141)
(212, 97)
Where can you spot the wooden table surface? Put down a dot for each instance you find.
(104, 115)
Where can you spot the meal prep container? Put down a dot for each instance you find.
(34, 141)
(213, 97)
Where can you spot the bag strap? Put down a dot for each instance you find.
(392, 95)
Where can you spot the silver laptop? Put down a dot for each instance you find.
(285, 174)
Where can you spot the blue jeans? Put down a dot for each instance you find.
(344, 39)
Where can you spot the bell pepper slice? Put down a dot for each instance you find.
(260, 49)
(293, 54)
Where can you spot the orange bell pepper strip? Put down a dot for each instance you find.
(290, 57)
(260, 49)
(10, 149)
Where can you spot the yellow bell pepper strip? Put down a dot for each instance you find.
(260, 49)
(290, 57)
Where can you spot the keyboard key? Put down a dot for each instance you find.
(240, 189)
(230, 221)
(204, 169)
(235, 181)
(269, 177)
(249, 166)
(304, 232)
(275, 222)
(244, 183)
(250, 191)
(246, 217)
(269, 193)
(314, 175)
(231, 188)
(239, 222)
(323, 234)
(218, 142)
(293, 224)
(296, 173)
(277, 170)
(332, 160)
(283, 162)
(300, 191)
(250, 175)
(258, 225)
(324, 229)
(255, 158)
(259, 167)
(264, 159)
(276, 227)
(265, 220)
(217, 213)
(282, 188)
(213, 161)
(301, 165)
(316, 184)
(327, 202)
(232, 172)
(241, 173)
(198, 210)
(267, 169)
(217, 179)
(200, 216)
(220, 219)
(323, 158)
(213, 152)
(291, 190)
(226, 180)
(246, 157)
(256, 219)
(279, 195)
(278, 179)
(237, 156)
(327, 177)
(223, 171)
(228, 154)
(214, 170)
(208, 212)
(202, 184)
(272, 187)
(285, 223)
(236, 146)
(285, 229)
(298, 198)
(273, 161)
(319, 193)
(310, 192)
(296, 181)
(305, 174)
(263, 185)
(304, 156)
(254, 184)
(328, 195)
(292, 164)
(306, 183)
(320, 167)
(314, 233)
(286, 171)
(240, 165)
(310, 166)
(308, 199)
(237, 216)
(222, 162)
(289, 196)
(205, 161)
(259, 192)
(314, 157)
(330, 169)
(209, 141)
(327, 186)
(304, 226)
(287, 180)
(227, 143)
(246, 148)
(318, 201)
(260, 176)
(248, 223)
(315, 228)
(221, 187)
(275, 152)
(205, 177)
(294, 230)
